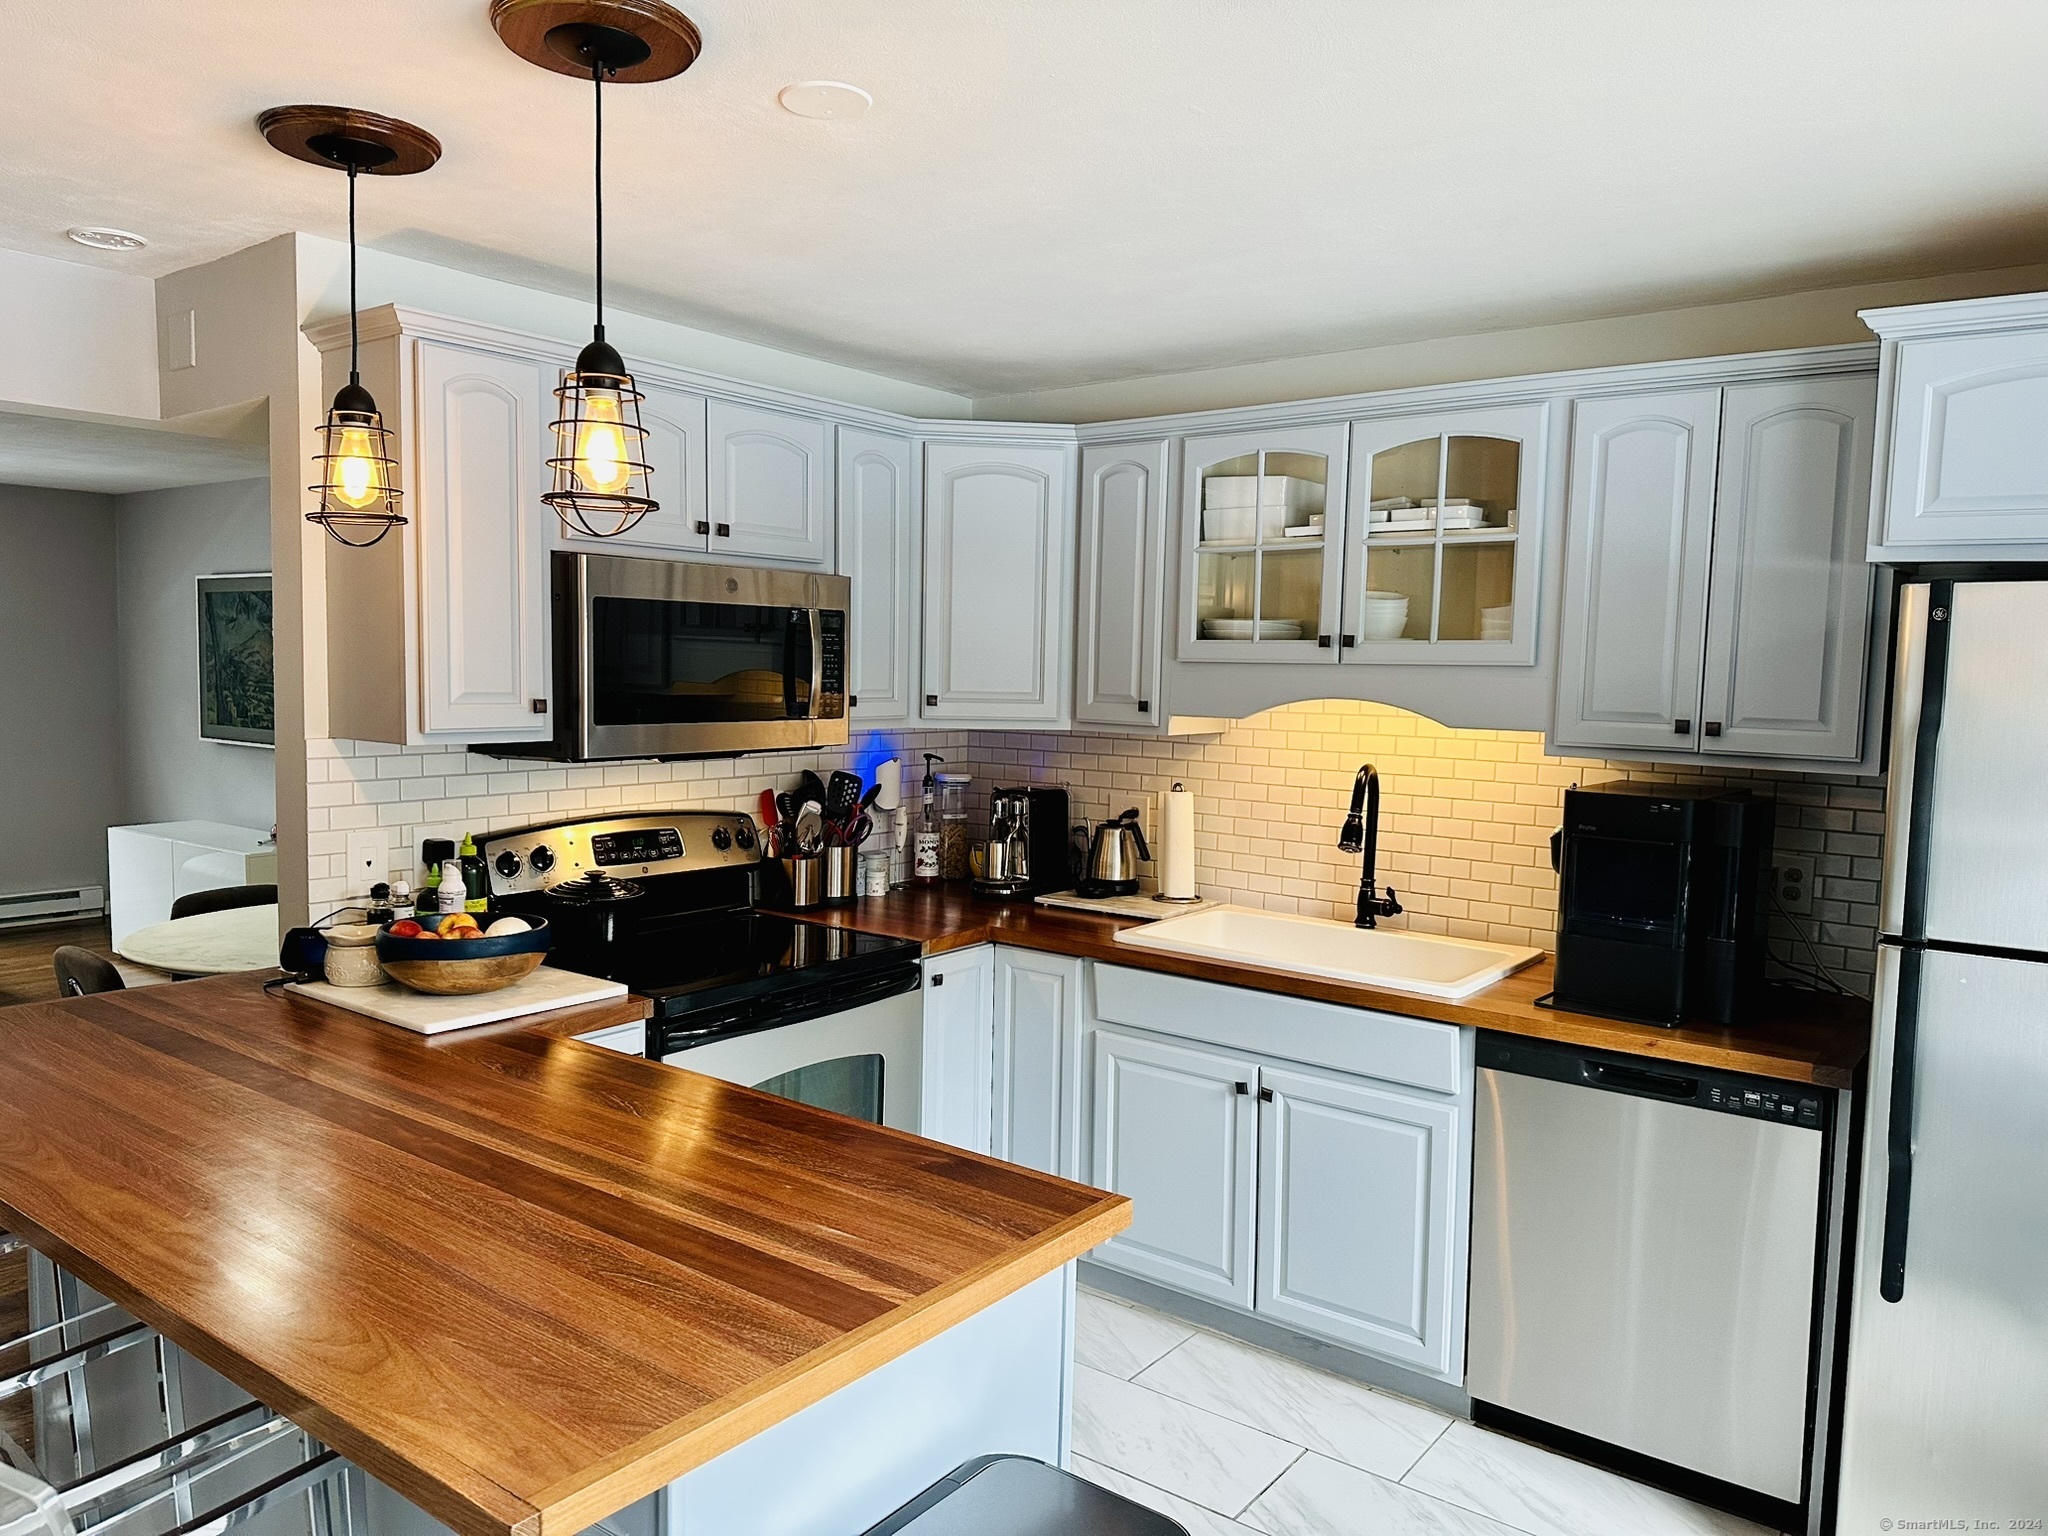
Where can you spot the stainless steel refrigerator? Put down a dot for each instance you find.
(1946, 1416)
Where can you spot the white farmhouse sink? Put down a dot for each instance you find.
(1374, 957)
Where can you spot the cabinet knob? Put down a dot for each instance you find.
(1681, 727)
(540, 706)
(1323, 641)
(723, 530)
(1348, 640)
(1265, 1095)
(939, 979)
(703, 527)
(1713, 727)
(853, 701)
(931, 701)
(1244, 1087)
(1144, 706)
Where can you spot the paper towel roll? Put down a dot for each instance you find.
(1177, 840)
(889, 781)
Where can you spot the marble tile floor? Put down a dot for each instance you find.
(1230, 1440)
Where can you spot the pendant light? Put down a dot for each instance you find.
(359, 503)
(600, 479)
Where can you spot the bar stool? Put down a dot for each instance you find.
(1016, 1496)
(152, 1489)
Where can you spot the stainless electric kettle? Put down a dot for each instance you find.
(1114, 855)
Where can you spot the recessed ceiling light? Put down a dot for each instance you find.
(106, 239)
(824, 98)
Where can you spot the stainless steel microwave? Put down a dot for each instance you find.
(680, 658)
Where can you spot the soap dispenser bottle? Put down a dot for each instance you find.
(924, 864)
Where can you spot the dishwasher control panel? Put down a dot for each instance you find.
(1789, 1108)
(1704, 1088)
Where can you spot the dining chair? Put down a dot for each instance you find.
(80, 972)
(222, 899)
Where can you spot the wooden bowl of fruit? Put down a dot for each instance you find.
(452, 954)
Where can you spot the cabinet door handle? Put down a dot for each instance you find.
(540, 706)
(703, 527)
(724, 530)
(1265, 1095)
(931, 701)
(1713, 727)
(1348, 640)
(938, 978)
(1681, 727)
(1144, 706)
(1244, 1087)
(853, 701)
(1323, 641)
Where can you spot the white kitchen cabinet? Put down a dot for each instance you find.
(439, 633)
(481, 532)
(1963, 459)
(959, 1049)
(1717, 602)
(1788, 607)
(1359, 1215)
(1463, 594)
(1122, 566)
(1176, 1129)
(769, 484)
(998, 561)
(878, 528)
(1251, 591)
(675, 423)
(1037, 1027)
(1639, 541)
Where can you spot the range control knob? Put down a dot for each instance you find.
(743, 834)
(507, 864)
(542, 859)
(721, 839)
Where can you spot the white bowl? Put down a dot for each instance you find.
(1384, 621)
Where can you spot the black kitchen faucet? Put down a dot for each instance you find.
(1363, 836)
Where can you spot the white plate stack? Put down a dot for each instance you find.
(1385, 615)
(1238, 508)
(1497, 624)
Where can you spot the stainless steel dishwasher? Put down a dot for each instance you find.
(1648, 1243)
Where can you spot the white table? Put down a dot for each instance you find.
(211, 944)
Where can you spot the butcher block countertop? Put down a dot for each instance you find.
(523, 1280)
(1798, 1037)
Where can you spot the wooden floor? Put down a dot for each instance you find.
(25, 971)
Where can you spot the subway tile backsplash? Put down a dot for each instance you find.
(1465, 822)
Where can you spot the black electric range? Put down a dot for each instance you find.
(665, 901)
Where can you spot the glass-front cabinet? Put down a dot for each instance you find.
(1441, 538)
(1262, 516)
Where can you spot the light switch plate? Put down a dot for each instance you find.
(369, 859)
(1793, 881)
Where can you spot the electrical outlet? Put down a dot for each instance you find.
(369, 859)
(1793, 881)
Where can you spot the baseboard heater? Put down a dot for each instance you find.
(52, 906)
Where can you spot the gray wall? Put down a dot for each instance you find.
(165, 541)
(60, 767)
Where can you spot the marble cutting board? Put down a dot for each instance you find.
(544, 991)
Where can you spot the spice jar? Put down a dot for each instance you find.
(953, 829)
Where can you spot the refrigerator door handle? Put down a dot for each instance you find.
(1898, 1183)
(1919, 698)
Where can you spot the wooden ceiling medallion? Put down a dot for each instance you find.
(340, 137)
(640, 40)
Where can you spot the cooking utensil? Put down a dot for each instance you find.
(863, 826)
(810, 828)
(842, 796)
(1113, 859)
(810, 787)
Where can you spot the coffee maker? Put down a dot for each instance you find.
(1028, 843)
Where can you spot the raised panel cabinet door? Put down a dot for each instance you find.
(1356, 1216)
(1037, 1015)
(959, 1068)
(1788, 607)
(482, 539)
(1122, 559)
(674, 420)
(1638, 540)
(997, 557)
(769, 484)
(1969, 458)
(878, 550)
(1176, 1129)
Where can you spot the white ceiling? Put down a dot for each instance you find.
(86, 451)
(1053, 192)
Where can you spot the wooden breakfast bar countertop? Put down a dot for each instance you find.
(1796, 1037)
(523, 1280)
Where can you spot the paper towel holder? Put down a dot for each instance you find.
(1179, 901)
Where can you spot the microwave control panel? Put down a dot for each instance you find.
(831, 664)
